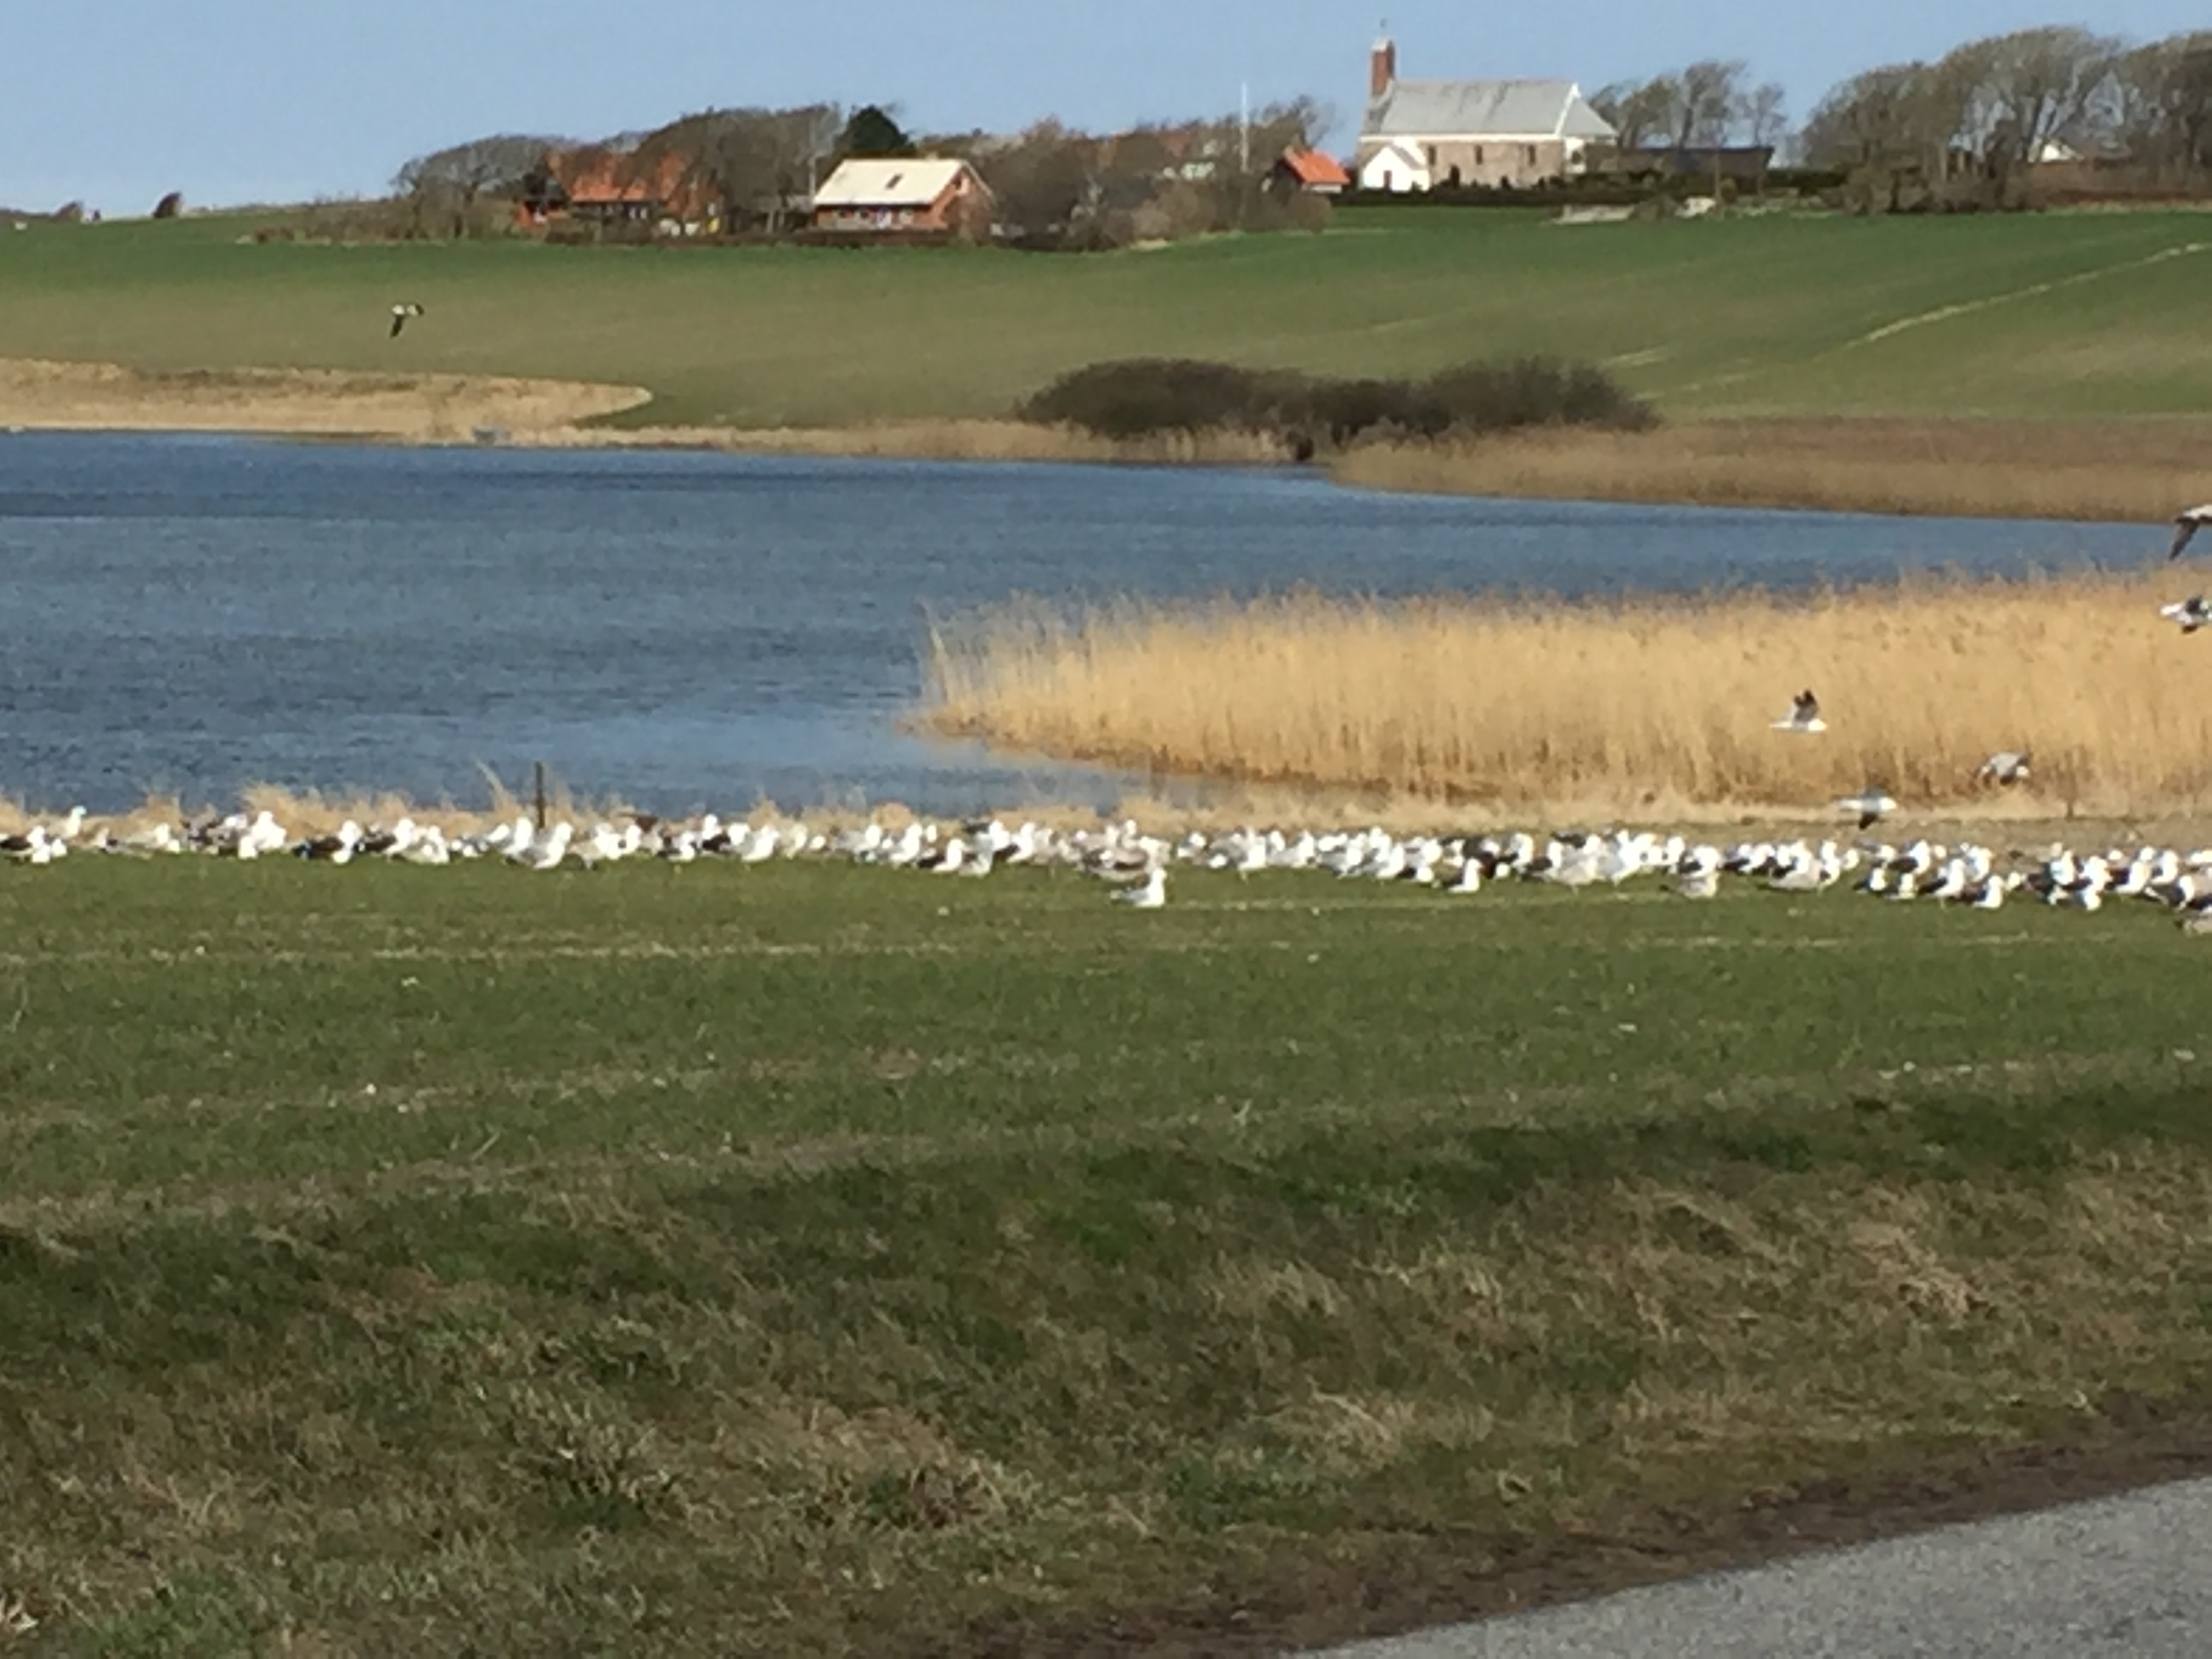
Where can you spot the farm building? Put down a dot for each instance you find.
(1439, 135)
(916, 197)
(610, 188)
(1310, 171)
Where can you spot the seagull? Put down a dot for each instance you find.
(1151, 894)
(1870, 804)
(2186, 525)
(1804, 715)
(2192, 613)
(2005, 767)
(401, 313)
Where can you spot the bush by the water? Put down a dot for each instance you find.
(1145, 397)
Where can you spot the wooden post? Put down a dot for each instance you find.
(538, 796)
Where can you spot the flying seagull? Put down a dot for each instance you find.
(1804, 715)
(2186, 525)
(1870, 804)
(2005, 767)
(2192, 613)
(401, 313)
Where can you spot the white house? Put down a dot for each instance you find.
(1430, 134)
(1397, 166)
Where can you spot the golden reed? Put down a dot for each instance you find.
(1653, 705)
(2084, 469)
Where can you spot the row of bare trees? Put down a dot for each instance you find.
(1057, 187)
(1970, 123)
(1708, 105)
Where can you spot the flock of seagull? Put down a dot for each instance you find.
(1138, 865)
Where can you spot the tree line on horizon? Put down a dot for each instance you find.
(1053, 185)
(1959, 130)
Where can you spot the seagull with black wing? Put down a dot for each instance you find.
(401, 313)
(2186, 525)
(1804, 715)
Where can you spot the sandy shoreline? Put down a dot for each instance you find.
(2130, 470)
(37, 394)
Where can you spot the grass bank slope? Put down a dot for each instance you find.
(1642, 706)
(810, 1260)
(2085, 315)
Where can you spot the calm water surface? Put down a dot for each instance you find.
(196, 614)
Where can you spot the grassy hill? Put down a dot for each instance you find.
(2079, 315)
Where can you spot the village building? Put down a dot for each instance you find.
(611, 188)
(1444, 134)
(1310, 171)
(905, 197)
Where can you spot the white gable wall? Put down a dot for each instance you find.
(1396, 169)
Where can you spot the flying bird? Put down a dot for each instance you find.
(401, 313)
(2186, 525)
(1804, 715)
(2005, 767)
(1870, 804)
(2192, 613)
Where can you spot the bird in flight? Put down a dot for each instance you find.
(2192, 613)
(2186, 525)
(1870, 804)
(2005, 767)
(1804, 715)
(401, 313)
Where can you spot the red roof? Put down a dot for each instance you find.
(1316, 171)
(599, 178)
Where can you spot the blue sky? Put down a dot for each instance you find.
(115, 101)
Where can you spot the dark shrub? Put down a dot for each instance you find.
(1141, 397)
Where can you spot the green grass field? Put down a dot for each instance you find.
(2040, 316)
(803, 1259)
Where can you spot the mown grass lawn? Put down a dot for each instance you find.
(803, 1259)
(2036, 316)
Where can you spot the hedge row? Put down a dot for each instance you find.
(1141, 398)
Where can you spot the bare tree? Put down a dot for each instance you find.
(1638, 112)
(1765, 115)
(447, 190)
(1709, 99)
(2156, 107)
(1047, 183)
(757, 163)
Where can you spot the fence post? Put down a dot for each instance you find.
(538, 796)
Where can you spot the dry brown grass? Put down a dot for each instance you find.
(2100, 471)
(416, 408)
(1655, 708)
(934, 441)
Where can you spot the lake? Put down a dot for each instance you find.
(195, 614)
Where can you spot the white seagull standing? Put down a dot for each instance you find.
(2186, 525)
(1804, 715)
(1150, 894)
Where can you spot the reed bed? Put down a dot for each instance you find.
(934, 440)
(1655, 706)
(2093, 470)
